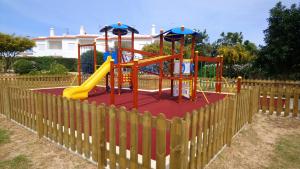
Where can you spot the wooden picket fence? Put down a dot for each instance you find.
(30, 81)
(147, 82)
(277, 97)
(209, 84)
(99, 132)
(270, 83)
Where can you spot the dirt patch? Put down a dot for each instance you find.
(254, 147)
(41, 152)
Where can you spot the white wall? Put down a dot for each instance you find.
(69, 46)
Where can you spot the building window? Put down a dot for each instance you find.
(55, 44)
(85, 41)
(71, 46)
(41, 46)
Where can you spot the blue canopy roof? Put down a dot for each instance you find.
(180, 31)
(119, 27)
(175, 33)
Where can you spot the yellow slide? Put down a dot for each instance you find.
(81, 92)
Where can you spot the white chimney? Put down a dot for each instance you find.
(153, 30)
(82, 30)
(52, 31)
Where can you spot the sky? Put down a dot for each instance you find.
(34, 17)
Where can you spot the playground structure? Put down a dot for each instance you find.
(182, 70)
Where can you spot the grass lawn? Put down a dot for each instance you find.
(18, 162)
(286, 153)
(4, 136)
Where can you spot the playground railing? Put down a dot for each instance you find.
(101, 132)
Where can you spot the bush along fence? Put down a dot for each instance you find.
(113, 136)
(277, 97)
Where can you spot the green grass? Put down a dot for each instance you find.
(4, 136)
(19, 162)
(287, 153)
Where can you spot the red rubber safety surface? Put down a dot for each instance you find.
(147, 101)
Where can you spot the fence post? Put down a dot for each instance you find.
(238, 84)
(231, 121)
(101, 123)
(250, 111)
(177, 143)
(122, 137)
(38, 100)
(146, 143)
(161, 129)
(7, 102)
(133, 139)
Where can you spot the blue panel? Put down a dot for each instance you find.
(112, 54)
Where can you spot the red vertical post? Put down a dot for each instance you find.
(112, 82)
(132, 54)
(172, 67)
(106, 50)
(106, 41)
(180, 66)
(119, 62)
(161, 42)
(193, 47)
(132, 46)
(195, 76)
(217, 74)
(95, 57)
(161, 52)
(238, 85)
(221, 71)
(79, 66)
(135, 83)
(193, 61)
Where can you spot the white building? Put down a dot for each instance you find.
(66, 45)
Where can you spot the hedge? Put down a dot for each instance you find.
(44, 62)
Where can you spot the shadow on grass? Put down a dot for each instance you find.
(286, 153)
(19, 162)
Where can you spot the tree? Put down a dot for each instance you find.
(280, 57)
(154, 48)
(11, 45)
(202, 43)
(87, 61)
(230, 38)
(23, 66)
(237, 53)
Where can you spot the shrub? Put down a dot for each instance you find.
(23, 66)
(57, 68)
(87, 61)
(1, 65)
(44, 62)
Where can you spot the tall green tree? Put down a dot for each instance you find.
(11, 45)
(230, 38)
(234, 49)
(237, 53)
(280, 57)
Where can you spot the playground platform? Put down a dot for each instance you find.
(148, 100)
